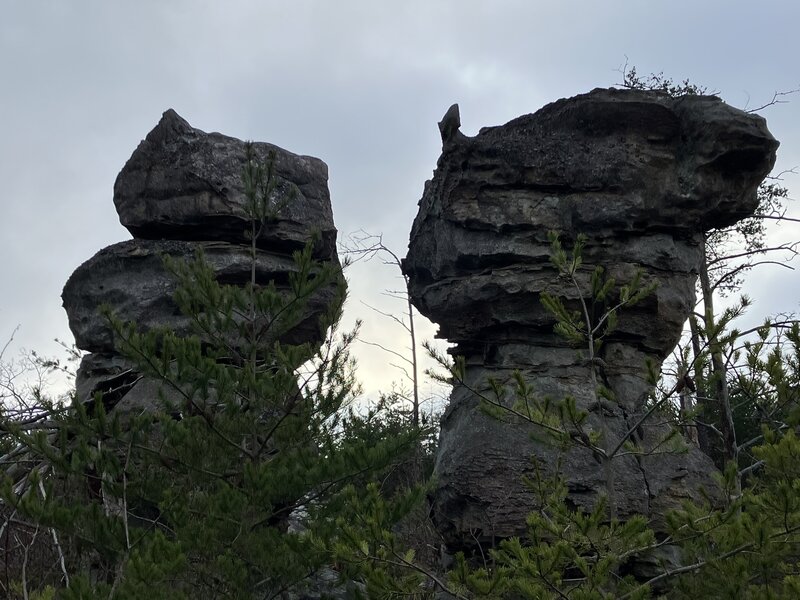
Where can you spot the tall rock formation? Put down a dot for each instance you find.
(642, 175)
(181, 191)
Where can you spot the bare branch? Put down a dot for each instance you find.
(8, 343)
(394, 318)
(385, 349)
(777, 98)
(792, 248)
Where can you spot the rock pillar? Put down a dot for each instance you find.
(182, 191)
(642, 175)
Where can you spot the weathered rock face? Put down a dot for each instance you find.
(179, 193)
(642, 175)
(184, 184)
(130, 277)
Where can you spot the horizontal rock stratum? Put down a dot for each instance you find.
(642, 175)
(130, 277)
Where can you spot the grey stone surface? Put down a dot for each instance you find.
(184, 184)
(181, 192)
(642, 175)
(130, 277)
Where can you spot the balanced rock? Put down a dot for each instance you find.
(181, 193)
(184, 184)
(642, 175)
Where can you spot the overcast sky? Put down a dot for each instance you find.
(359, 84)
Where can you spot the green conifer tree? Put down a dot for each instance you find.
(194, 498)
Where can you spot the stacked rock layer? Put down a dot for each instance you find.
(181, 191)
(642, 175)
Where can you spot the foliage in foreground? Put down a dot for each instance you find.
(745, 548)
(194, 499)
(231, 483)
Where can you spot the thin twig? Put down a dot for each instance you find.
(61, 559)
